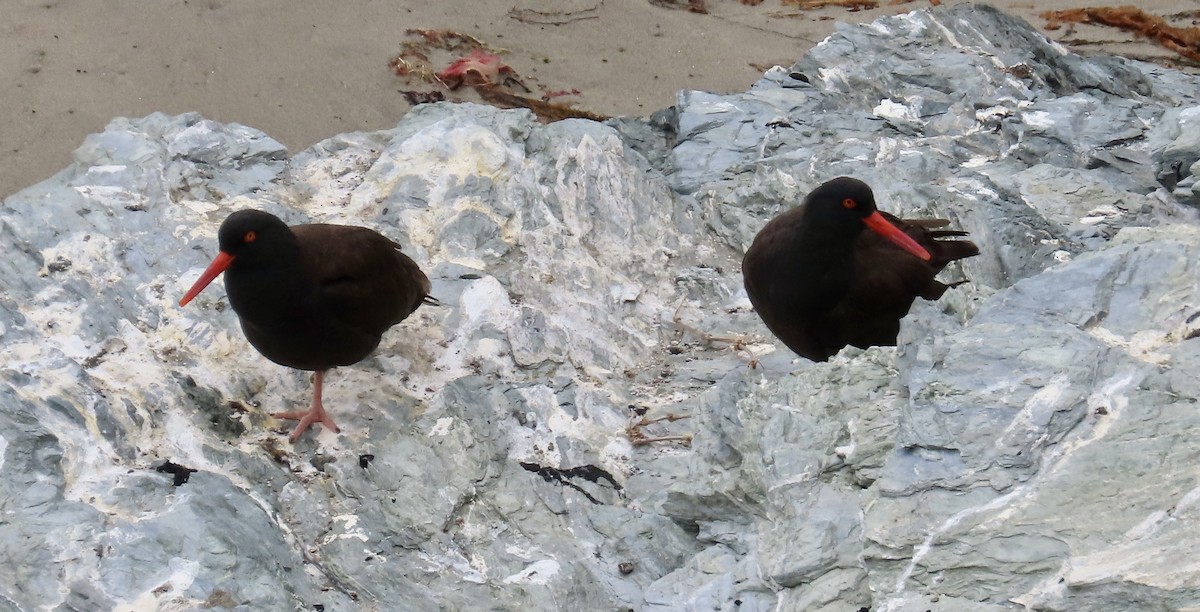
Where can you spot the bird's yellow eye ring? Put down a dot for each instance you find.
(250, 236)
(849, 203)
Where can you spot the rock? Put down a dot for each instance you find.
(525, 445)
(1176, 161)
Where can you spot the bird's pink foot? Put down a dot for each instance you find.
(316, 414)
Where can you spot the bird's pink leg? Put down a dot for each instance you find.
(315, 414)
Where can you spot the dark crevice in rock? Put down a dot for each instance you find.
(563, 477)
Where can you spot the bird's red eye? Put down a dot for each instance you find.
(250, 236)
(849, 203)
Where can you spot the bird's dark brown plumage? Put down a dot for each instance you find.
(313, 297)
(819, 282)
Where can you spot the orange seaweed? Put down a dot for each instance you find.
(1184, 41)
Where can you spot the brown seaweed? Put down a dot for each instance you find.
(1184, 41)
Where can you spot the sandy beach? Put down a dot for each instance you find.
(304, 71)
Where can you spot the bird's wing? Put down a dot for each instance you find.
(363, 279)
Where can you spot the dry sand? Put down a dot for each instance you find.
(303, 70)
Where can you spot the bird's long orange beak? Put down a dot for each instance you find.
(876, 223)
(214, 269)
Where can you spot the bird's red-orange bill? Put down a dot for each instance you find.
(881, 226)
(214, 269)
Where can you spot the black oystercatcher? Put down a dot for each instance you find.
(312, 297)
(820, 282)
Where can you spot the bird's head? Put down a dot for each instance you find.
(850, 204)
(244, 236)
(246, 233)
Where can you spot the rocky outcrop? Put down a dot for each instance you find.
(1028, 445)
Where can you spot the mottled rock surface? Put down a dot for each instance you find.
(1030, 445)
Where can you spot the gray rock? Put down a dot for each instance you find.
(1027, 445)
(1177, 159)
